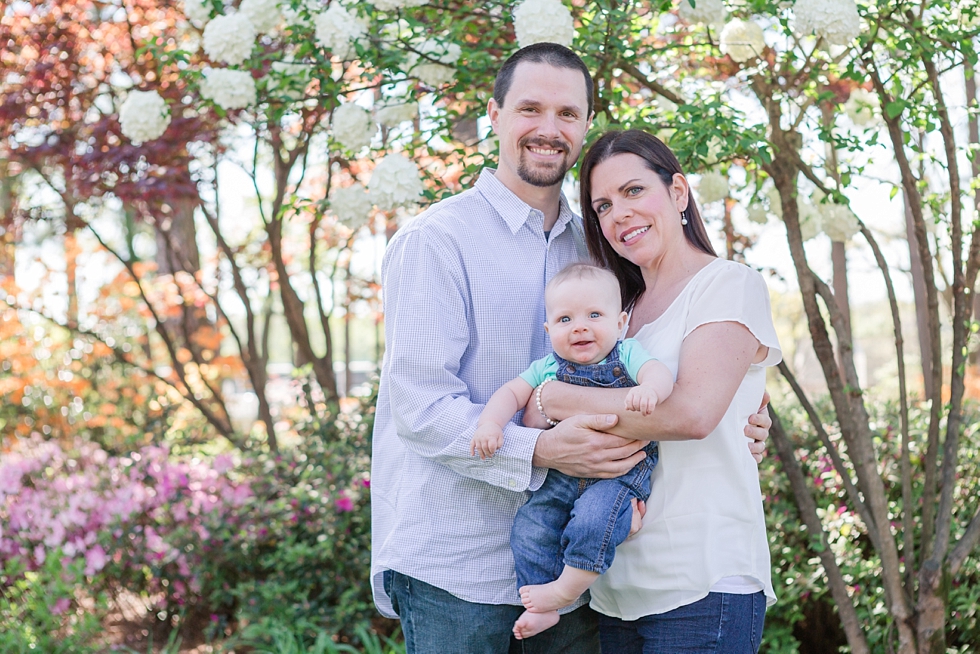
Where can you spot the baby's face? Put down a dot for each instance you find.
(584, 319)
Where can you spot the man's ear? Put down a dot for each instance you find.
(493, 112)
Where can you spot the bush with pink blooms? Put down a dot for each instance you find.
(272, 538)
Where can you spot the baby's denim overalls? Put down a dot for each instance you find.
(573, 521)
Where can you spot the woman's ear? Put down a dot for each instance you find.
(681, 192)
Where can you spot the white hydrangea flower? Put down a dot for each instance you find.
(229, 39)
(709, 12)
(537, 21)
(758, 214)
(436, 67)
(811, 220)
(353, 126)
(393, 115)
(837, 21)
(229, 89)
(742, 40)
(775, 203)
(713, 187)
(338, 30)
(263, 14)
(395, 182)
(860, 107)
(197, 12)
(144, 116)
(394, 5)
(352, 206)
(838, 222)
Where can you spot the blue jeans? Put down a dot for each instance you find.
(576, 522)
(436, 622)
(721, 623)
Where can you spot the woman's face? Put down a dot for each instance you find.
(638, 215)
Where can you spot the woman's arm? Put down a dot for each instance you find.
(713, 361)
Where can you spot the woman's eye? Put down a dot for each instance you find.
(602, 207)
(633, 190)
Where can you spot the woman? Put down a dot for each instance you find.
(696, 577)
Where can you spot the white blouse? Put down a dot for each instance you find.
(704, 528)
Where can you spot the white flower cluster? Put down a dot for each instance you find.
(352, 206)
(860, 107)
(811, 221)
(709, 12)
(838, 222)
(394, 5)
(395, 182)
(263, 14)
(353, 127)
(229, 39)
(144, 116)
(713, 187)
(229, 89)
(338, 30)
(196, 11)
(436, 67)
(742, 40)
(757, 213)
(837, 21)
(537, 21)
(393, 115)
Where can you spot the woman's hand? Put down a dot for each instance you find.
(758, 430)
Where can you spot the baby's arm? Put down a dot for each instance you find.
(501, 407)
(654, 384)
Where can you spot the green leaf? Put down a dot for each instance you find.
(895, 108)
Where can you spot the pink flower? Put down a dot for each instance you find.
(95, 560)
(60, 606)
(344, 504)
(223, 463)
(366, 483)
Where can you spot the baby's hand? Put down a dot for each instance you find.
(488, 439)
(641, 399)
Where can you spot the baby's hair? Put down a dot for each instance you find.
(577, 271)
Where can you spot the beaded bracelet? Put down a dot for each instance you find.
(537, 400)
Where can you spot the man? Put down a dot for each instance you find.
(463, 297)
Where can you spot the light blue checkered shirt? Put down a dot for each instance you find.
(464, 314)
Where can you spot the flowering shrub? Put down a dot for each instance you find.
(144, 116)
(143, 520)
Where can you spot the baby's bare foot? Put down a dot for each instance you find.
(532, 624)
(547, 597)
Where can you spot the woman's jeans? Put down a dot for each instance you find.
(721, 623)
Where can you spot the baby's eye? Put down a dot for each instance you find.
(564, 319)
(595, 314)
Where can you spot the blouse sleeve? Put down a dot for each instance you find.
(736, 293)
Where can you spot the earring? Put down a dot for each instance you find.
(683, 217)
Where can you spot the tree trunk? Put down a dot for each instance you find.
(921, 302)
(8, 226)
(838, 257)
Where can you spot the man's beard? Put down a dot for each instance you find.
(540, 175)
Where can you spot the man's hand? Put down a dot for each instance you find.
(488, 439)
(758, 430)
(579, 448)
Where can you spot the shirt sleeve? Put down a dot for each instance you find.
(634, 356)
(540, 370)
(427, 333)
(736, 293)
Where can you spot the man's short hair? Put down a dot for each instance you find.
(542, 53)
(577, 271)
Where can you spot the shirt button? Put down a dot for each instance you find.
(512, 483)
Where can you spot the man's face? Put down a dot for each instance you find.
(541, 125)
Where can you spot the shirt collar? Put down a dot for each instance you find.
(511, 208)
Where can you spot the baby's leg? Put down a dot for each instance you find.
(559, 593)
(532, 624)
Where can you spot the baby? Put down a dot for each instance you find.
(567, 533)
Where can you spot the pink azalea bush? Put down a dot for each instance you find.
(143, 521)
